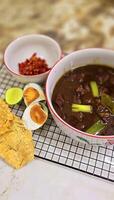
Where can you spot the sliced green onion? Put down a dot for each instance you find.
(107, 101)
(94, 88)
(81, 108)
(95, 128)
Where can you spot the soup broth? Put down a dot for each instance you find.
(84, 98)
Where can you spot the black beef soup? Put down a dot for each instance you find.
(84, 98)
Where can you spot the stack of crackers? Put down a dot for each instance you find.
(16, 144)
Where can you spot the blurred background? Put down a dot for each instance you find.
(75, 24)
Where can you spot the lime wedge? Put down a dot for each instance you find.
(13, 95)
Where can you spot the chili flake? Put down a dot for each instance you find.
(33, 66)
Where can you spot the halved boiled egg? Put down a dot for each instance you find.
(33, 92)
(35, 115)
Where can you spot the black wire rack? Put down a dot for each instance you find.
(53, 145)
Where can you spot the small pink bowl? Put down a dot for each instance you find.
(23, 47)
(71, 61)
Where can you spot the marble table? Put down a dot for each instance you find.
(46, 181)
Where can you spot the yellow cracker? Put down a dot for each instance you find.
(16, 145)
(6, 117)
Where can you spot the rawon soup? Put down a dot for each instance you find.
(84, 98)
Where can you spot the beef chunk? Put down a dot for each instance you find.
(103, 112)
(109, 130)
(102, 78)
(59, 101)
(82, 89)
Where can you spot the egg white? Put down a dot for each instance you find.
(39, 89)
(29, 123)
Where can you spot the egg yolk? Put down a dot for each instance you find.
(37, 114)
(30, 94)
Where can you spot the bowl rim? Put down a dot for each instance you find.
(55, 113)
(27, 36)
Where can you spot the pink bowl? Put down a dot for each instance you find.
(24, 47)
(71, 61)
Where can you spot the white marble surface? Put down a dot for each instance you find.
(47, 181)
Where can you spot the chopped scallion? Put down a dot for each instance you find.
(95, 128)
(94, 88)
(107, 101)
(81, 108)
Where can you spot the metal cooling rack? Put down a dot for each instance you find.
(53, 145)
